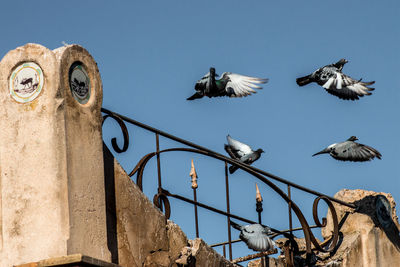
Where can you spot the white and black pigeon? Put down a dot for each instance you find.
(255, 236)
(351, 151)
(336, 83)
(230, 84)
(241, 152)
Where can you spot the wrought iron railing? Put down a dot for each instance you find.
(162, 202)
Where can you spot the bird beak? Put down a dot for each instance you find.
(326, 150)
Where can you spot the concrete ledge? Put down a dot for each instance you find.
(76, 260)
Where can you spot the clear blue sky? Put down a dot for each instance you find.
(150, 54)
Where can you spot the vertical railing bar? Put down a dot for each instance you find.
(158, 160)
(224, 251)
(290, 211)
(259, 218)
(228, 210)
(290, 220)
(196, 218)
(259, 209)
(158, 167)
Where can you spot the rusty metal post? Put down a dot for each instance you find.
(228, 210)
(196, 218)
(289, 253)
(290, 210)
(159, 168)
(259, 209)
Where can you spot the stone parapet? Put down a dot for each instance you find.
(51, 187)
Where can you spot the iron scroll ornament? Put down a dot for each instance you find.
(124, 130)
(309, 237)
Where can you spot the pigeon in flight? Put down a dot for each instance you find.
(230, 84)
(255, 236)
(351, 151)
(241, 152)
(336, 83)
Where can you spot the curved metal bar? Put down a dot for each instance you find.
(308, 235)
(159, 199)
(140, 168)
(335, 234)
(124, 130)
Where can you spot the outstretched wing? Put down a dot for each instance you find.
(238, 148)
(256, 238)
(240, 85)
(346, 87)
(351, 151)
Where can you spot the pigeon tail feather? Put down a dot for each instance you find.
(340, 64)
(236, 226)
(304, 80)
(195, 96)
(232, 169)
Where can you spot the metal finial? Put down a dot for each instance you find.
(258, 194)
(194, 176)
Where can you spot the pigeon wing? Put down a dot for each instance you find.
(232, 153)
(260, 243)
(346, 87)
(352, 151)
(238, 147)
(250, 158)
(256, 238)
(240, 85)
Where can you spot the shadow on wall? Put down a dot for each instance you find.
(111, 219)
(379, 210)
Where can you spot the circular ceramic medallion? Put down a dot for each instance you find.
(26, 82)
(79, 83)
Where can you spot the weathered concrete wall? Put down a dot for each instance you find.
(84, 147)
(51, 192)
(33, 163)
(366, 241)
(145, 237)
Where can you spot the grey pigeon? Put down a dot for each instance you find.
(351, 151)
(230, 84)
(336, 83)
(241, 152)
(255, 236)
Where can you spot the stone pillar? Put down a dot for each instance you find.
(51, 155)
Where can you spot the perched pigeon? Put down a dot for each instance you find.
(230, 84)
(336, 83)
(351, 151)
(241, 152)
(255, 236)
